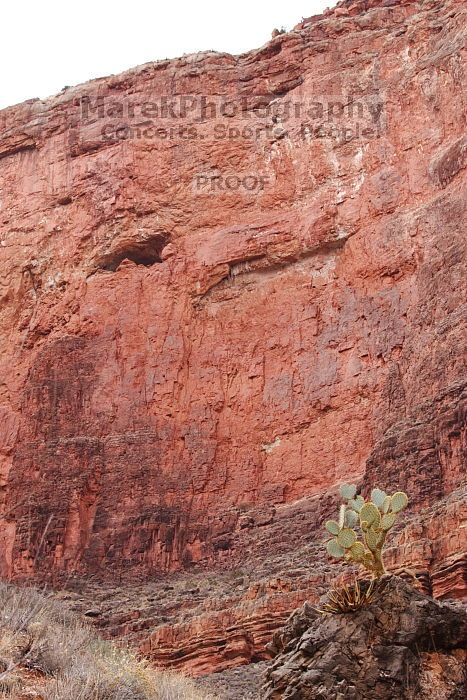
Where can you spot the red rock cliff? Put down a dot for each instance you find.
(187, 361)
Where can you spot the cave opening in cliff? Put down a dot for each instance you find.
(147, 253)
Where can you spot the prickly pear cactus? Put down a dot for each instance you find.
(374, 517)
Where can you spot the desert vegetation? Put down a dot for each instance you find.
(359, 536)
(48, 653)
(374, 518)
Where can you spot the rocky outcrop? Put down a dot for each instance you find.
(403, 645)
(226, 285)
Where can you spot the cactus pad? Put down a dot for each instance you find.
(378, 497)
(386, 504)
(346, 538)
(332, 527)
(372, 539)
(399, 501)
(357, 551)
(351, 518)
(342, 516)
(334, 549)
(357, 503)
(388, 520)
(347, 491)
(370, 514)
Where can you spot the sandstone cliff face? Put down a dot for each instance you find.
(187, 367)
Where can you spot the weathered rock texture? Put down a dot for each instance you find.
(404, 645)
(211, 620)
(186, 375)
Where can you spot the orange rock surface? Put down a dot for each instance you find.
(187, 361)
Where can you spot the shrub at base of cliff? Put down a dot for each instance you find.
(404, 645)
(47, 653)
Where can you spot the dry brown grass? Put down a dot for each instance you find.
(47, 653)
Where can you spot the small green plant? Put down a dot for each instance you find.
(374, 518)
(350, 598)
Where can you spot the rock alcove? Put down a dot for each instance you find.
(145, 252)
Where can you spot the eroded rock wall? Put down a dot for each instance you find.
(183, 364)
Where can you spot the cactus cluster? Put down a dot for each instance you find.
(374, 518)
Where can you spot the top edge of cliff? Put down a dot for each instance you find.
(345, 10)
